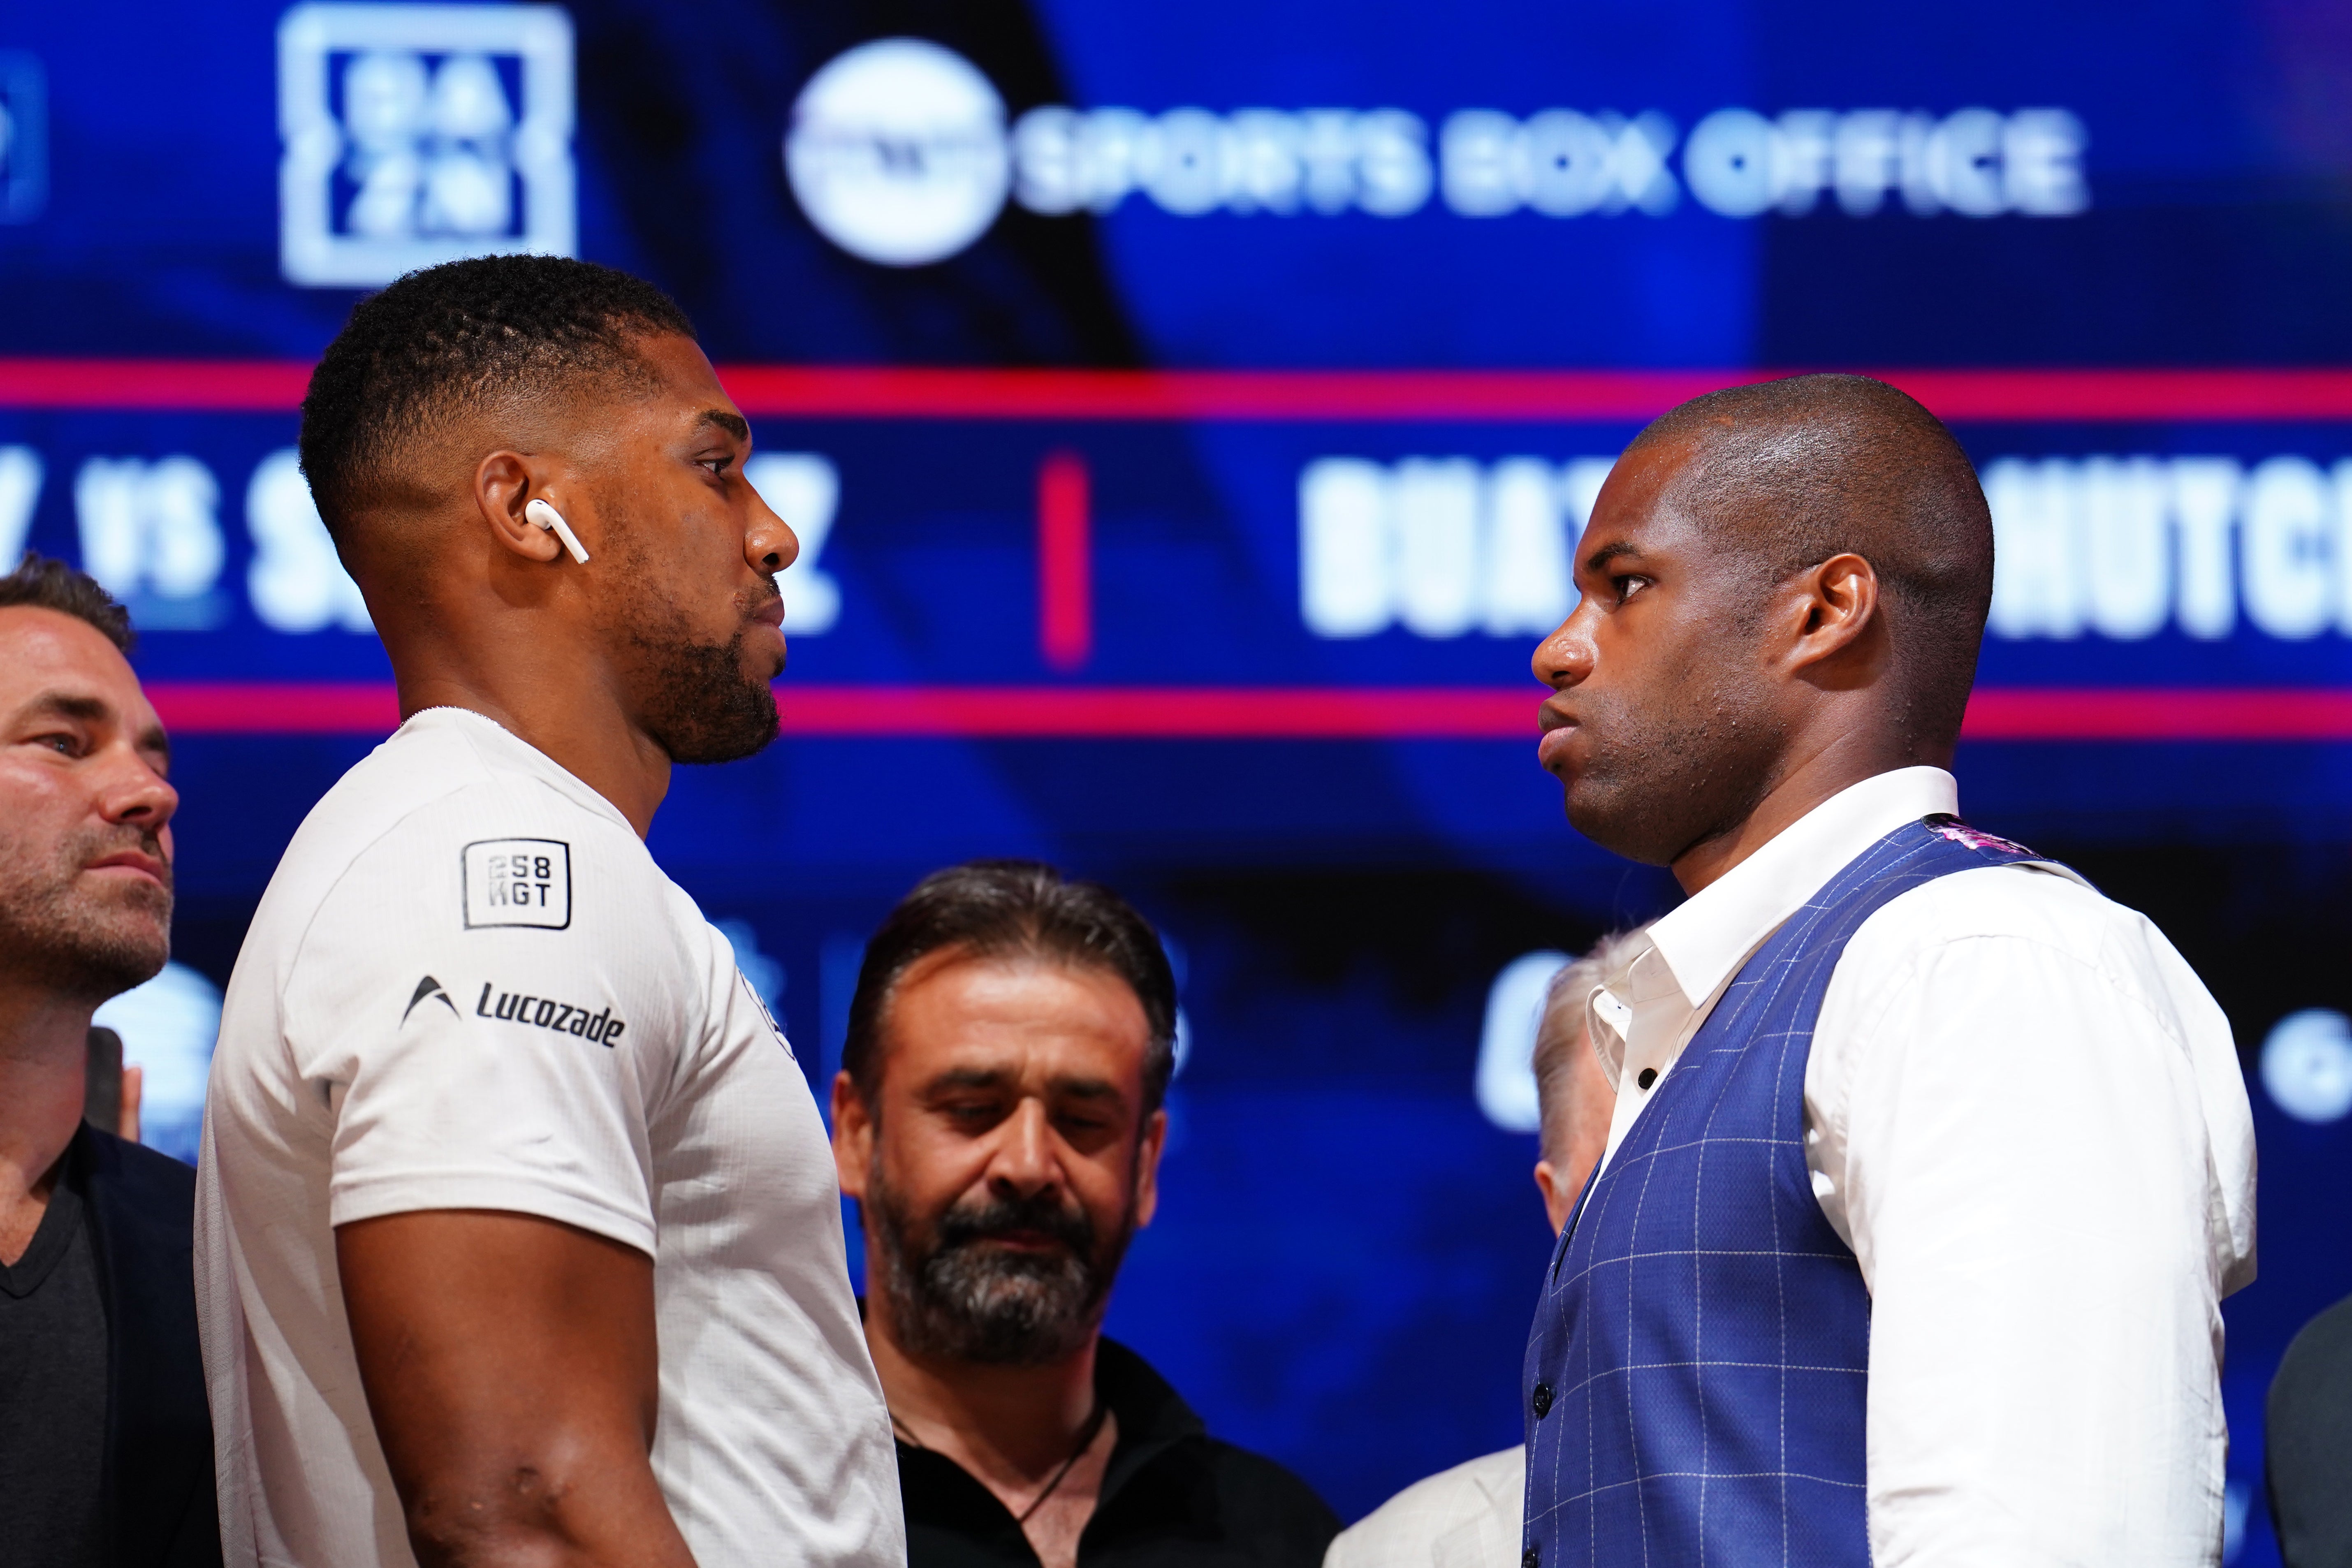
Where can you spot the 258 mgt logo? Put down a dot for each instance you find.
(599, 1028)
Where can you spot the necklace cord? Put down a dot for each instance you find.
(1086, 1435)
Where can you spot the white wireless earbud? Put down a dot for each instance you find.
(547, 517)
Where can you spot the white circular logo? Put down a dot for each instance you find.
(898, 154)
(2307, 1065)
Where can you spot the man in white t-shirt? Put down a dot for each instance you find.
(518, 1234)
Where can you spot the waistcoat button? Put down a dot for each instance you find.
(1542, 1401)
(1646, 1076)
(1530, 1558)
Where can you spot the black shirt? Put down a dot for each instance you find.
(53, 1389)
(2308, 1438)
(1171, 1496)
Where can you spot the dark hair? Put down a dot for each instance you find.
(1802, 468)
(1015, 907)
(49, 584)
(454, 339)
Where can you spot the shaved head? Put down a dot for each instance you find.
(1783, 588)
(1787, 473)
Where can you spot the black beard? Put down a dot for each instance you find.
(954, 1297)
(703, 708)
(79, 942)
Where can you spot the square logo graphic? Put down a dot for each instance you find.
(518, 882)
(418, 134)
(24, 137)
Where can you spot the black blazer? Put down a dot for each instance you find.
(157, 1490)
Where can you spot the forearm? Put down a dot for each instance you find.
(512, 1372)
(543, 1514)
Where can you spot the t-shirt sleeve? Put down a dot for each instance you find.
(487, 1005)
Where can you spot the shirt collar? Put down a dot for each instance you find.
(1715, 930)
(484, 732)
(1154, 1418)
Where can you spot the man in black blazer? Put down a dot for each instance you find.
(2308, 1433)
(105, 1447)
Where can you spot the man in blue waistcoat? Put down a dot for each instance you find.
(1929, 1166)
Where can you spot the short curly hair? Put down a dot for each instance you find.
(47, 584)
(451, 340)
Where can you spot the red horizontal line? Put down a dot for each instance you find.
(1094, 713)
(208, 386)
(1611, 396)
(1507, 396)
(275, 708)
(2192, 713)
(1147, 712)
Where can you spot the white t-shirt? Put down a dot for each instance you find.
(470, 986)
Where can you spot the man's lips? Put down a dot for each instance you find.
(132, 861)
(1024, 1240)
(770, 617)
(1559, 728)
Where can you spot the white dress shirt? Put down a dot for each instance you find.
(2025, 1115)
(1468, 1517)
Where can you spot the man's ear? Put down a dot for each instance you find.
(504, 484)
(853, 1137)
(1836, 608)
(1556, 1199)
(1147, 1168)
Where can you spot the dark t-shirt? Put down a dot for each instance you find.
(1172, 1496)
(53, 1391)
(2309, 1444)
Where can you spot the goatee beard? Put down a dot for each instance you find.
(708, 709)
(954, 1296)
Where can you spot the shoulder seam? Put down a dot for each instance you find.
(487, 776)
(1891, 987)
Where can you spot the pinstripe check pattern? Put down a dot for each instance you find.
(1701, 1352)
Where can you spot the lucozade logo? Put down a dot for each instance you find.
(900, 153)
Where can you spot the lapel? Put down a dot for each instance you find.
(141, 1209)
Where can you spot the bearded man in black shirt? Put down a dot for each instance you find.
(998, 1116)
(105, 1448)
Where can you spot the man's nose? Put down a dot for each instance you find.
(1565, 657)
(1025, 1159)
(770, 545)
(136, 793)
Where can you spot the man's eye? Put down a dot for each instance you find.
(1628, 585)
(718, 466)
(63, 744)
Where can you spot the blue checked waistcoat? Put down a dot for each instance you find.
(1697, 1371)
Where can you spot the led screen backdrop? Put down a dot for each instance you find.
(1188, 417)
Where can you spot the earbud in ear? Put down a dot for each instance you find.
(547, 517)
